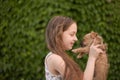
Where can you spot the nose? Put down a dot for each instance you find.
(81, 43)
(75, 38)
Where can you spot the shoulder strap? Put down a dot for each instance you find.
(49, 54)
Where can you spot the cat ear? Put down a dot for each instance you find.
(93, 34)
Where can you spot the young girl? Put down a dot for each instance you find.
(60, 37)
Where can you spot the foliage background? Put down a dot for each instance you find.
(22, 33)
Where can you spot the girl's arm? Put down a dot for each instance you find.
(93, 54)
(89, 71)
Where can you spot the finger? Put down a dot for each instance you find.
(93, 42)
(97, 46)
(101, 51)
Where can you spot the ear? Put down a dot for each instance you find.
(93, 34)
(106, 46)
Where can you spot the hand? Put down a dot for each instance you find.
(95, 50)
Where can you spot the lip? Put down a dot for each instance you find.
(72, 43)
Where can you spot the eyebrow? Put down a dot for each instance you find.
(73, 32)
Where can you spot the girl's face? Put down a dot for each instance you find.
(69, 36)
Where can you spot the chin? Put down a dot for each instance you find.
(69, 48)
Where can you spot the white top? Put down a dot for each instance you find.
(48, 74)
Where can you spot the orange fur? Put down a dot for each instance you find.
(101, 64)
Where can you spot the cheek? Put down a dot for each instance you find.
(65, 38)
(65, 42)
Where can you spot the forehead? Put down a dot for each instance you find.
(72, 27)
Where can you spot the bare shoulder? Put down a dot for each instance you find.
(54, 59)
(56, 63)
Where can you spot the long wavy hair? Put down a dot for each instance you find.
(55, 28)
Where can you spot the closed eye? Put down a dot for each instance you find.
(71, 34)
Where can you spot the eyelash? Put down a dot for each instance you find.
(72, 34)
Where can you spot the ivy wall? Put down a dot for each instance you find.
(22, 33)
